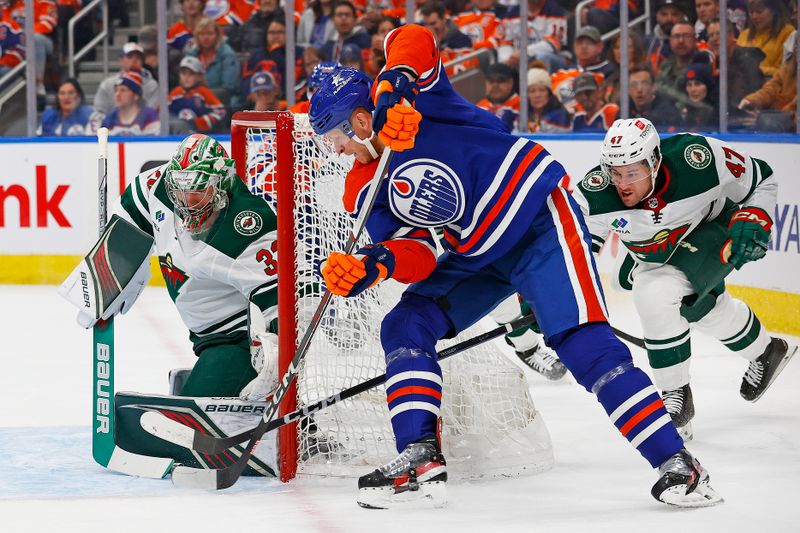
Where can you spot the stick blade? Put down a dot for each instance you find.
(185, 477)
(133, 464)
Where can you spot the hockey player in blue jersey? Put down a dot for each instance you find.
(510, 228)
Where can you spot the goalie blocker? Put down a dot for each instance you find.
(111, 277)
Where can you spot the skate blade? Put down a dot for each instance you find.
(702, 496)
(686, 432)
(789, 353)
(431, 495)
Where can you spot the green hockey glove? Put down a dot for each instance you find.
(748, 236)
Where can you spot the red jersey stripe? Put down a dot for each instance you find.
(577, 252)
(502, 201)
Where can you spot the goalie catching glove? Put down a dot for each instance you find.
(748, 236)
(394, 118)
(350, 275)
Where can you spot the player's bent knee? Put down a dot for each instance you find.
(651, 294)
(415, 322)
(590, 352)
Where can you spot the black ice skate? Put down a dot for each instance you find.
(544, 361)
(763, 371)
(684, 483)
(417, 476)
(680, 407)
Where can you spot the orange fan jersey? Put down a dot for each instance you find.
(45, 15)
(485, 28)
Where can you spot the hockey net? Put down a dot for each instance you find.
(490, 426)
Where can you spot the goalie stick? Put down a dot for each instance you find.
(160, 426)
(184, 476)
(104, 450)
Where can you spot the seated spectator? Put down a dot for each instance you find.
(347, 32)
(594, 114)
(70, 115)
(271, 57)
(740, 59)
(448, 36)
(131, 59)
(773, 107)
(351, 56)
(316, 24)
(45, 16)
(131, 116)
(148, 40)
(501, 99)
(588, 49)
(604, 14)
(376, 58)
(545, 112)
(767, 28)
(193, 107)
(320, 72)
(229, 12)
(180, 35)
(547, 34)
(683, 43)
(386, 25)
(699, 112)
(223, 72)
(645, 102)
(483, 23)
(706, 11)
(668, 12)
(265, 93)
(253, 34)
(636, 56)
(12, 49)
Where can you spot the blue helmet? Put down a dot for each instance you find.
(320, 72)
(340, 94)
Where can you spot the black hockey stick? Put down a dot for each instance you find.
(184, 476)
(159, 425)
(628, 337)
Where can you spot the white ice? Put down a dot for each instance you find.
(49, 482)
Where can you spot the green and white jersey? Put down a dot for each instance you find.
(213, 280)
(700, 178)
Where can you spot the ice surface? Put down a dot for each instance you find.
(49, 482)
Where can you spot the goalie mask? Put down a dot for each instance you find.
(198, 179)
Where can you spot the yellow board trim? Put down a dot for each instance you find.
(52, 269)
(778, 311)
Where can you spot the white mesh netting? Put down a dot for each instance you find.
(490, 425)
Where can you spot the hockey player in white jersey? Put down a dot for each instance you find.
(688, 210)
(216, 245)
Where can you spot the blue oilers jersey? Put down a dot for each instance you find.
(466, 174)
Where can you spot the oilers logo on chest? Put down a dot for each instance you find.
(426, 193)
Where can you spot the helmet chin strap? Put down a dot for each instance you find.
(653, 178)
(368, 144)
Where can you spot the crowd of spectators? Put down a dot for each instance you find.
(228, 56)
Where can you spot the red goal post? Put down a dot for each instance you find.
(283, 124)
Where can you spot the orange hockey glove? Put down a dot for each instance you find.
(350, 275)
(394, 118)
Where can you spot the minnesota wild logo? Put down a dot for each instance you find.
(595, 181)
(174, 276)
(697, 156)
(660, 247)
